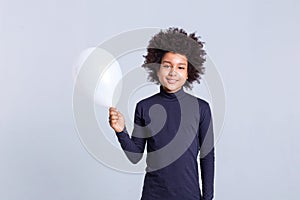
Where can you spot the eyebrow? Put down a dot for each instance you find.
(171, 63)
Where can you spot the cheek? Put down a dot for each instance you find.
(160, 73)
(184, 75)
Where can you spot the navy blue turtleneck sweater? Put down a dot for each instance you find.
(175, 127)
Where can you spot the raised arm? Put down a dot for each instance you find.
(133, 146)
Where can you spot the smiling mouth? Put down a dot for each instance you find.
(171, 81)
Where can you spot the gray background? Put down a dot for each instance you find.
(254, 44)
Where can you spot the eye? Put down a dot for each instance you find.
(181, 68)
(166, 66)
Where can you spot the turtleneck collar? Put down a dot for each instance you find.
(172, 96)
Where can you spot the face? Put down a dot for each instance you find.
(172, 72)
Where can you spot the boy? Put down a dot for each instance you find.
(174, 124)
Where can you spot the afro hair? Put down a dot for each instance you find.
(175, 40)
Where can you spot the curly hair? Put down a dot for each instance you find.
(175, 40)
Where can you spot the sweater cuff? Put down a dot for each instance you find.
(122, 132)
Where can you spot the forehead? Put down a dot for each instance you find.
(174, 58)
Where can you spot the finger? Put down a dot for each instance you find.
(113, 113)
(113, 122)
(114, 117)
(113, 109)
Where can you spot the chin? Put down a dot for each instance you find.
(171, 89)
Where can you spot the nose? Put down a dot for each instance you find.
(172, 71)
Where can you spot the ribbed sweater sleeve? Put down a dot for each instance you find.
(134, 146)
(207, 157)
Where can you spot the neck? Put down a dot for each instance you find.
(172, 95)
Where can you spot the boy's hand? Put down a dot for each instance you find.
(116, 120)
